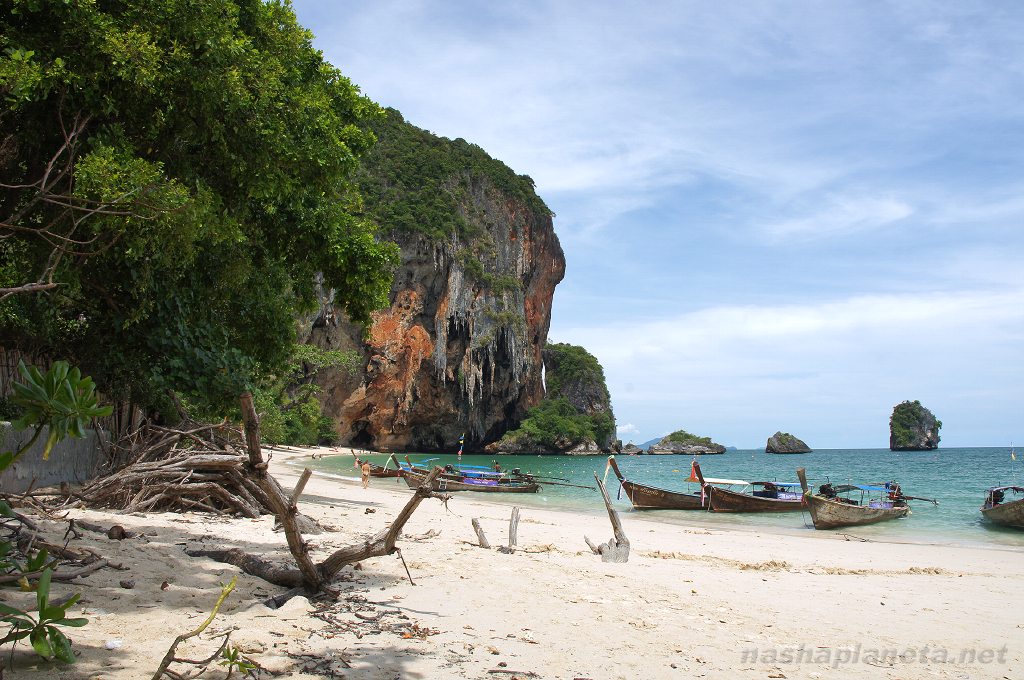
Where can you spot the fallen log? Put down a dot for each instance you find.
(309, 574)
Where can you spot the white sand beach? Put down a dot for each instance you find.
(690, 602)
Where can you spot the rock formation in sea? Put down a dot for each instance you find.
(459, 350)
(912, 427)
(575, 417)
(683, 442)
(784, 442)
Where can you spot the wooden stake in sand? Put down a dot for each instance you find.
(513, 530)
(484, 543)
(617, 547)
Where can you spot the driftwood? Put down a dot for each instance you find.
(513, 532)
(513, 529)
(313, 576)
(617, 547)
(484, 543)
(197, 467)
(170, 657)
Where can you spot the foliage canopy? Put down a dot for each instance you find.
(174, 174)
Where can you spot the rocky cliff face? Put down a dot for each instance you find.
(783, 442)
(585, 390)
(459, 350)
(912, 427)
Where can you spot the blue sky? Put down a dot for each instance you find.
(776, 215)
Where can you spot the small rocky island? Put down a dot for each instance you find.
(682, 441)
(784, 442)
(912, 427)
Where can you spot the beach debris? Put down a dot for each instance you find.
(314, 576)
(330, 664)
(127, 584)
(617, 547)
(513, 532)
(514, 674)
(222, 651)
(368, 619)
(484, 543)
(431, 533)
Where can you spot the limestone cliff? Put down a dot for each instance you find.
(459, 350)
(912, 427)
(575, 416)
(784, 442)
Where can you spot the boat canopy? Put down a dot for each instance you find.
(726, 482)
(861, 487)
(1019, 489)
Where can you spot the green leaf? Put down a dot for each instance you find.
(43, 587)
(10, 611)
(73, 623)
(61, 645)
(40, 643)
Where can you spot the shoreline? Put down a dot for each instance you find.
(902, 532)
(691, 601)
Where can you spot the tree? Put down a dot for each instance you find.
(174, 174)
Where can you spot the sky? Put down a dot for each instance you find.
(775, 215)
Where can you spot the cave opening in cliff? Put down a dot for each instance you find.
(361, 438)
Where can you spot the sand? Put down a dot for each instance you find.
(690, 603)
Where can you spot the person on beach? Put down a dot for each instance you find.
(366, 474)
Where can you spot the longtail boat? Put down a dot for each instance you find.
(763, 497)
(644, 497)
(1000, 511)
(833, 506)
(378, 470)
(453, 480)
(445, 483)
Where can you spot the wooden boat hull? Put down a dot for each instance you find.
(652, 498)
(1010, 514)
(442, 483)
(645, 497)
(829, 514)
(379, 471)
(724, 500)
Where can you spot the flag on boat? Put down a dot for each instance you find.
(462, 440)
(1013, 456)
(693, 472)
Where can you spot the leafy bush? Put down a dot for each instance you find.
(684, 437)
(572, 364)
(551, 424)
(63, 402)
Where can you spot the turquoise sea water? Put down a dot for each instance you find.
(956, 477)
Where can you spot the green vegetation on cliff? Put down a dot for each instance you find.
(574, 364)
(560, 420)
(909, 425)
(553, 424)
(415, 181)
(684, 437)
(177, 173)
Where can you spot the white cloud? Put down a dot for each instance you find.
(831, 369)
(840, 216)
(627, 428)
